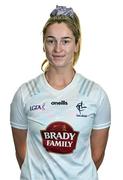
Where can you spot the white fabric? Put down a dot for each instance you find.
(59, 124)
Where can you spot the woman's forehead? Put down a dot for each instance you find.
(59, 29)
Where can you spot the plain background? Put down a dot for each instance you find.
(21, 55)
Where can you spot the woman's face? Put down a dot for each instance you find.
(59, 45)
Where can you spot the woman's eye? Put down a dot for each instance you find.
(50, 41)
(65, 41)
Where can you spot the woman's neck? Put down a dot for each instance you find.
(59, 79)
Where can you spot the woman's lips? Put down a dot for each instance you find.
(58, 56)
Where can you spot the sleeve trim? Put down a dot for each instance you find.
(102, 126)
(19, 126)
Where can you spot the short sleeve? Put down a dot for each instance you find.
(103, 114)
(17, 114)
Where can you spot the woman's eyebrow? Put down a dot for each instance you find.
(50, 37)
(66, 37)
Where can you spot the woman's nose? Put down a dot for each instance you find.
(58, 47)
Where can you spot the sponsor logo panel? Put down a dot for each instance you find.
(59, 137)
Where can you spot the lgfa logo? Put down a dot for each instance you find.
(37, 107)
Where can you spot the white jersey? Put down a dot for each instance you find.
(59, 124)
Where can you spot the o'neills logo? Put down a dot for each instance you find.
(59, 137)
(59, 103)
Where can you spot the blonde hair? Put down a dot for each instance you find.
(73, 24)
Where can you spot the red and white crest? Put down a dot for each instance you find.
(59, 137)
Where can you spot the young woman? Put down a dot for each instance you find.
(60, 120)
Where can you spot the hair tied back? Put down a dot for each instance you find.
(62, 10)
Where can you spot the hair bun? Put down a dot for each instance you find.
(62, 10)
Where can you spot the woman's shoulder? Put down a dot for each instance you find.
(29, 88)
(91, 88)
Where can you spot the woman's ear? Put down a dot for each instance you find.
(43, 48)
(77, 46)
